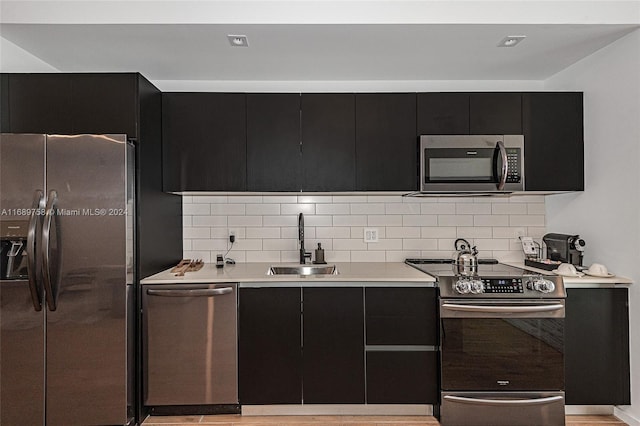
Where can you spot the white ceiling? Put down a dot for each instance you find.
(315, 41)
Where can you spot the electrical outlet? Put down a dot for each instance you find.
(370, 235)
(232, 235)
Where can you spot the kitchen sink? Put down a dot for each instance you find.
(303, 270)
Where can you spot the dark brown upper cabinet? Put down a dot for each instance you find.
(328, 142)
(74, 103)
(386, 143)
(495, 114)
(469, 113)
(554, 141)
(443, 113)
(204, 142)
(273, 142)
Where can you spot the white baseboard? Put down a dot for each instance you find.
(588, 410)
(626, 417)
(338, 410)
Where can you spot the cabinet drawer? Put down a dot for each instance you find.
(401, 316)
(401, 377)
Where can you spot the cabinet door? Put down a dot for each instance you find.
(269, 351)
(554, 141)
(204, 142)
(402, 377)
(443, 113)
(328, 142)
(401, 316)
(273, 142)
(401, 348)
(4, 104)
(386, 142)
(105, 103)
(597, 346)
(40, 103)
(495, 113)
(333, 346)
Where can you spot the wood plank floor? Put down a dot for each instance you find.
(233, 420)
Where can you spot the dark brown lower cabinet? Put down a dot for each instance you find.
(269, 353)
(333, 346)
(597, 346)
(402, 377)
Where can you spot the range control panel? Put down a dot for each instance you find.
(502, 285)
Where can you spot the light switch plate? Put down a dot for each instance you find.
(370, 235)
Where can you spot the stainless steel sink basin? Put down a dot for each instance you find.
(303, 270)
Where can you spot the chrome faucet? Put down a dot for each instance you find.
(303, 254)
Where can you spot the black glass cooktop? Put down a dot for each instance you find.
(447, 268)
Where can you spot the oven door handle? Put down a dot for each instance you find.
(504, 402)
(503, 309)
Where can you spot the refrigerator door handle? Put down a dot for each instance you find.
(50, 285)
(37, 208)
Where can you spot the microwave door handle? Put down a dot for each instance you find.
(505, 165)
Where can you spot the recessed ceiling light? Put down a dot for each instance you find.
(510, 41)
(238, 40)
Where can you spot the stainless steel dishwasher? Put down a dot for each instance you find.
(190, 344)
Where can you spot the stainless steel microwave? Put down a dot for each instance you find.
(471, 163)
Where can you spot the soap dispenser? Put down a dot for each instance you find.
(319, 255)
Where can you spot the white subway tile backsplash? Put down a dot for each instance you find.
(291, 220)
(196, 209)
(420, 244)
(312, 199)
(419, 220)
(402, 208)
(473, 208)
(306, 209)
(348, 220)
(266, 226)
(209, 220)
(262, 209)
(196, 233)
(367, 208)
(384, 220)
(333, 209)
(491, 220)
(403, 232)
(439, 232)
(455, 220)
(474, 232)
(228, 209)
(509, 208)
(318, 220)
(244, 221)
(438, 208)
(368, 256)
(263, 233)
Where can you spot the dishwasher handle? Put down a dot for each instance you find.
(201, 292)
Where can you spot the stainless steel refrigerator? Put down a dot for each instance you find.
(66, 282)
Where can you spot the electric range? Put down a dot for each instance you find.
(501, 344)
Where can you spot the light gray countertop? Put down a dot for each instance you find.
(584, 281)
(356, 272)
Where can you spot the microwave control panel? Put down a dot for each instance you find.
(513, 161)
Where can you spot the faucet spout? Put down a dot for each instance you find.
(303, 254)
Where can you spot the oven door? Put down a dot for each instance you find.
(490, 345)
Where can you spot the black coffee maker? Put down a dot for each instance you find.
(13, 250)
(565, 248)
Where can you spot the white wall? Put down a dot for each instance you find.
(15, 59)
(607, 213)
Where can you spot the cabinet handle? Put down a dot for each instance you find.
(202, 292)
